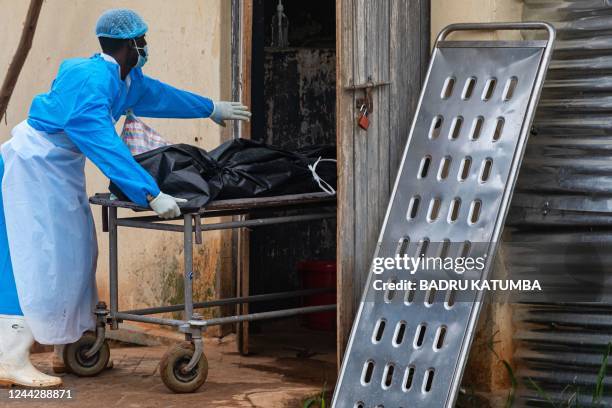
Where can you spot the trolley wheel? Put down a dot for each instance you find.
(77, 363)
(171, 369)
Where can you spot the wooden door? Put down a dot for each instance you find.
(385, 43)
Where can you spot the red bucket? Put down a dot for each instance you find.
(316, 275)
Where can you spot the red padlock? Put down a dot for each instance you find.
(363, 121)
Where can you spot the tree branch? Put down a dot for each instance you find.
(25, 43)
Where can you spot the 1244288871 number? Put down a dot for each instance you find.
(40, 394)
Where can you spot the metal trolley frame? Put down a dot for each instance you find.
(185, 369)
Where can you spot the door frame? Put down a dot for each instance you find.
(241, 56)
(348, 295)
(409, 28)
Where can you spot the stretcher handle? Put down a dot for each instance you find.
(529, 25)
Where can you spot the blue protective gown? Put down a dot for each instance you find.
(86, 98)
(9, 302)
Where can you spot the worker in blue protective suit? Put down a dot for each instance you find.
(48, 247)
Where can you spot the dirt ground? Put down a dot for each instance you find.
(285, 368)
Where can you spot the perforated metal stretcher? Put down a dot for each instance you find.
(450, 200)
(184, 367)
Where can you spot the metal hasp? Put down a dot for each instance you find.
(453, 190)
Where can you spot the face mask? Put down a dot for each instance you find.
(142, 56)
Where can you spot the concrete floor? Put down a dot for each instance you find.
(285, 368)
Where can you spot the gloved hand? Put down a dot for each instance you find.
(166, 206)
(229, 111)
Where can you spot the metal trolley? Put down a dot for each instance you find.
(184, 367)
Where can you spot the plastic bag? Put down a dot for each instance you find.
(255, 169)
(182, 171)
(139, 137)
(237, 169)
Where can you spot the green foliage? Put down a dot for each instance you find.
(601, 375)
(541, 392)
(318, 399)
(513, 381)
(572, 400)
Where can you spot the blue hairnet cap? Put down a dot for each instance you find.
(120, 23)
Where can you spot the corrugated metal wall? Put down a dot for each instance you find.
(564, 195)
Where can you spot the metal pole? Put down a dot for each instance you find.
(237, 96)
(276, 314)
(236, 8)
(149, 225)
(113, 266)
(232, 301)
(147, 319)
(188, 277)
(258, 222)
(266, 221)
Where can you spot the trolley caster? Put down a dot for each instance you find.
(79, 363)
(172, 367)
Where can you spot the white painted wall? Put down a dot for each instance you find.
(189, 43)
(445, 12)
